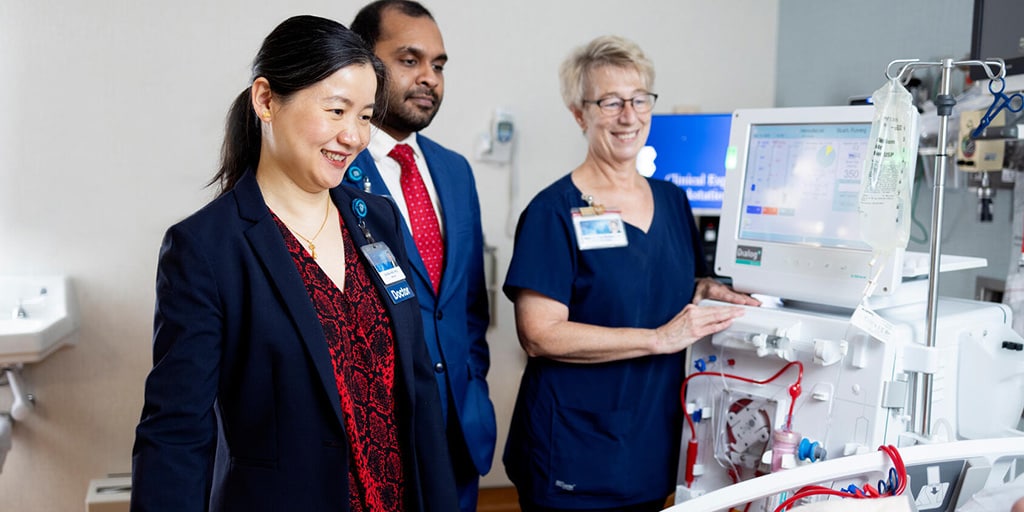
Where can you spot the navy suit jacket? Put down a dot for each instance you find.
(456, 318)
(241, 407)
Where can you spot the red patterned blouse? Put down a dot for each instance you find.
(361, 342)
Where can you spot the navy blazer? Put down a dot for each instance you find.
(241, 408)
(455, 318)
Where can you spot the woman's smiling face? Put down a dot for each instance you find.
(315, 134)
(614, 138)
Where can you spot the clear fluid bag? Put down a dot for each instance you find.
(888, 176)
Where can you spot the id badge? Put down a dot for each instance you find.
(384, 263)
(599, 231)
(379, 255)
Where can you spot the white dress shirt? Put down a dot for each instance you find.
(381, 143)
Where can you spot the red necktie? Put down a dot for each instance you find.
(426, 232)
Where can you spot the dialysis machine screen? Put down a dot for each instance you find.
(790, 223)
(803, 182)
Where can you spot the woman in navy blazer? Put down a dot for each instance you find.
(289, 366)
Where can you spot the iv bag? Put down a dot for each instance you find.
(888, 176)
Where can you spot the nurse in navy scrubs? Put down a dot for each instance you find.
(605, 276)
(289, 370)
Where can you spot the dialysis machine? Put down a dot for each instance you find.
(820, 371)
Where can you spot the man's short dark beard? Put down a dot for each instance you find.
(400, 123)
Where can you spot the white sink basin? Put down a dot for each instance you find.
(38, 315)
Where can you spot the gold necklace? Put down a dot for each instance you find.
(309, 241)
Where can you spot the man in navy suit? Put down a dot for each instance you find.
(453, 301)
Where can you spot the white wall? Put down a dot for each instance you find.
(829, 51)
(111, 125)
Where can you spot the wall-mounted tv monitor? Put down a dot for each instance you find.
(998, 32)
(691, 150)
(790, 226)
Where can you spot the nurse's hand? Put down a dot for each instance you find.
(1018, 506)
(708, 288)
(692, 324)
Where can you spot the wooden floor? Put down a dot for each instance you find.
(498, 499)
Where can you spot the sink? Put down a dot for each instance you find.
(38, 315)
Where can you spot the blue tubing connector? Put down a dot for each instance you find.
(811, 451)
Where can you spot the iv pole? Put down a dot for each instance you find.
(922, 404)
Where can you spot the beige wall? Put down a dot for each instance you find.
(110, 124)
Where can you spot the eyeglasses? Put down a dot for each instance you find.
(642, 103)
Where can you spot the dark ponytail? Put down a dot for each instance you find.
(298, 53)
(242, 139)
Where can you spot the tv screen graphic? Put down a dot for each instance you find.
(689, 150)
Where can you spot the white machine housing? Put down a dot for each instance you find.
(856, 390)
(790, 229)
(789, 225)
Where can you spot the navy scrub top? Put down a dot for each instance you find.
(607, 434)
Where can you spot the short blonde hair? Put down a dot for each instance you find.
(602, 51)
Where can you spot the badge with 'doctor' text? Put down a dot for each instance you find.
(390, 273)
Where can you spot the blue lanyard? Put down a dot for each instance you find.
(355, 175)
(360, 209)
